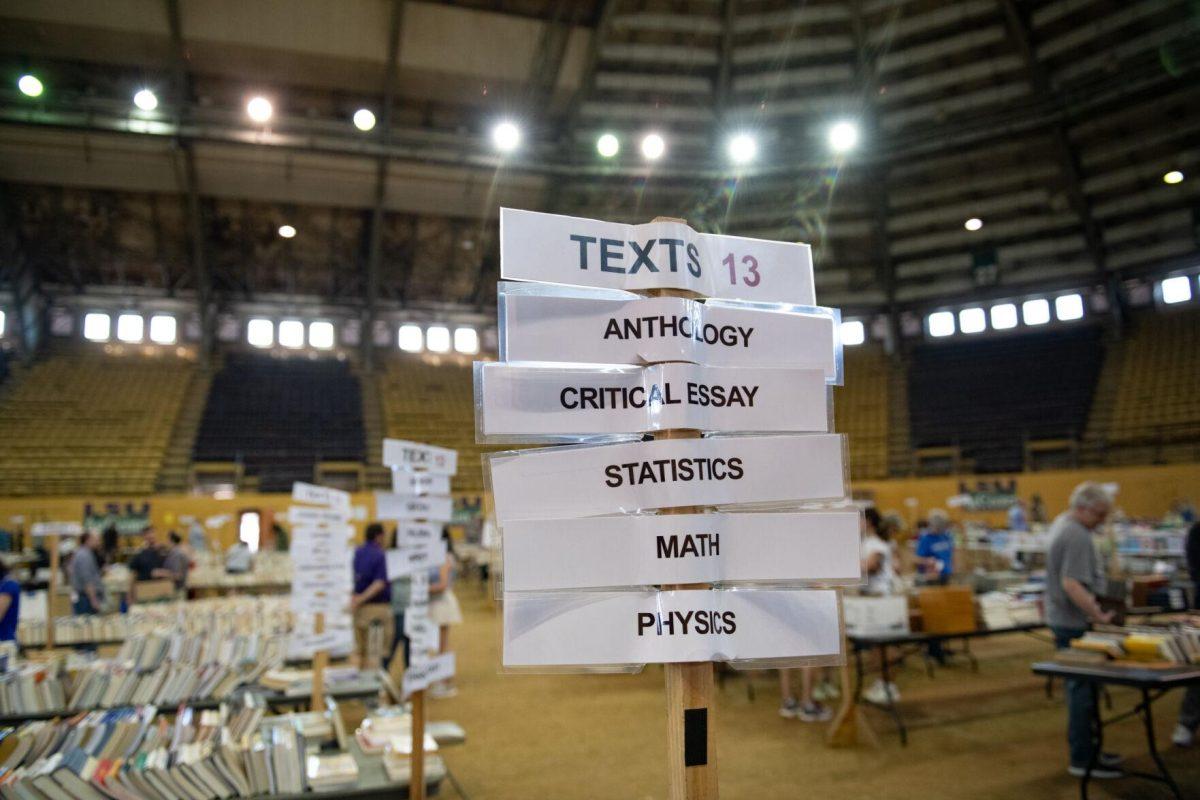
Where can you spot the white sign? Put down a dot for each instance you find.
(41, 529)
(421, 676)
(593, 628)
(311, 515)
(564, 482)
(417, 483)
(601, 552)
(573, 251)
(305, 537)
(410, 560)
(418, 588)
(398, 453)
(320, 495)
(636, 331)
(549, 401)
(389, 505)
(417, 533)
(336, 641)
(423, 635)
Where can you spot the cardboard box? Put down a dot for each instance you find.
(947, 609)
(876, 616)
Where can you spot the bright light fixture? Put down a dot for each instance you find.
(287, 231)
(364, 119)
(3, 318)
(941, 323)
(97, 327)
(466, 340)
(1177, 289)
(146, 100)
(30, 86)
(437, 339)
(653, 146)
(411, 338)
(608, 145)
(743, 148)
(506, 136)
(291, 333)
(162, 329)
(1004, 316)
(259, 109)
(843, 137)
(1174, 176)
(320, 334)
(130, 327)
(853, 332)
(260, 332)
(972, 320)
(1036, 312)
(1068, 307)
(973, 224)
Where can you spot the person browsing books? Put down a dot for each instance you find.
(371, 603)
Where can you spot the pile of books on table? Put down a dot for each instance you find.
(1177, 643)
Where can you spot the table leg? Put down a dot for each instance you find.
(1148, 719)
(970, 656)
(1097, 741)
(858, 674)
(891, 703)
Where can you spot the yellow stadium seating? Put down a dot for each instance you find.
(1158, 381)
(861, 410)
(89, 424)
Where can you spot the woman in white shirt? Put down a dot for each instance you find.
(879, 565)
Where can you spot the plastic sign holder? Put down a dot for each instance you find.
(689, 372)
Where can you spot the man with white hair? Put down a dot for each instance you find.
(1074, 578)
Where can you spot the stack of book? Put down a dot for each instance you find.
(1178, 643)
(332, 773)
(31, 688)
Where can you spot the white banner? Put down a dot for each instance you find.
(640, 330)
(601, 552)
(421, 676)
(320, 495)
(573, 251)
(418, 483)
(311, 515)
(41, 529)
(548, 401)
(401, 454)
(389, 505)
(417, 533)
(594, 628)
(564, 482)
(410, 560)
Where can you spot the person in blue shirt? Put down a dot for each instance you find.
(935, 549)
(1017, 521)
(10, 605)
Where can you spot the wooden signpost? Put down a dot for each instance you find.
(420, 504)
(727, 307)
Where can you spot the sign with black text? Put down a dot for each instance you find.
(389, 505)
(405, 455)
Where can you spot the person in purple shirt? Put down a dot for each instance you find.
(371, 602)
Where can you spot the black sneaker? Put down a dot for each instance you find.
(1110, 760)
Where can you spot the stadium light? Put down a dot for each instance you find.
(146, 100)
(506, 136)
(941, 323)
(364, 119)
(853, 332)
(260, 332)
(608, 145)
(320, 334)
(130, 327)
(743, 148)
(437, 339)
(97, 327)
(3, 319)
(843, 137)
(1036, 312)
(653, 146)
(30, 86)
(287, 231)
(973, 224)
(1177, 289)
(411, 338)
(259, 109)
(1068, 307)
(466, 340)
(162, 329)
(972, 320)
(1004, 316)
(291, 333)
(1173, 177)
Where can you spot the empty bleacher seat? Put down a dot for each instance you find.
(861, 410)
(989, 397)
(279, 417)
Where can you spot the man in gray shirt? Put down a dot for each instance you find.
(86, 581)
(1073, 579)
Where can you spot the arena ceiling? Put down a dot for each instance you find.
(1053, 122)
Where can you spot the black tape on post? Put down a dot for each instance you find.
(695, 737)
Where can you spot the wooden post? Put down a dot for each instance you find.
(320, 661)
(52, 589)
(691, 721)
(416, 773)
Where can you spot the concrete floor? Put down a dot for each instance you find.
(988, 735)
